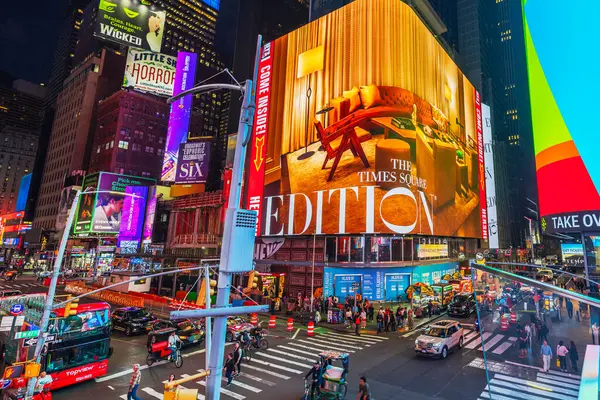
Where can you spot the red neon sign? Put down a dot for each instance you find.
(480, 162)
(256, 168)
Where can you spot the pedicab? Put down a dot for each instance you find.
(158, 347)
(335, 366)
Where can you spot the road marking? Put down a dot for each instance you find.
(337, 342)
(299, 351)
(477, 341)
(226, 392)
(111, 388)
(266, 371)
(375, 336)
(522, 390)
(492, 342)
(296, 334)
(565, 374)
(276, 366)
(551, 388)
(153, 393)
(560, 378)
(502, 348)
(495, 396)
(243, 385)
(548, 381)
(323, 347)
(257, 379)
(470, 337)
(349, 340)
(285, 353)
(325, 342)
(356, 338)
(512, 339)
(283, 360)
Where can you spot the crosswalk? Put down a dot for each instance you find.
(280, 363)
(551, 385)
(17, 286)
(495, 343)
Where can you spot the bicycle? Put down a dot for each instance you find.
(247, 352)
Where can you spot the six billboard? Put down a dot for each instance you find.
(409, 158)
(193, 162)
(179, 118)
(101, 210)
(561, 83)
(131, 23)
(490, 185)
(149, 72)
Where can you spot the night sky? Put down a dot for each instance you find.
(28, 34)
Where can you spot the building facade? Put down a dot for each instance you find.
(73, 127)
(131, 129)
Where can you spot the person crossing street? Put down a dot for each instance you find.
(134, 383)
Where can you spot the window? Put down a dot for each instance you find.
(125, 133)
(159, 152)
(73, 356)
(136, 147)
(112, 144)
(149, 149)
(123, 144)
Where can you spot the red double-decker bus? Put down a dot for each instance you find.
(79, 349)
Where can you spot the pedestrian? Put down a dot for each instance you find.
(171, 389)
(134, 383)
(522, 343)
(348, 318)
(42, 380)
(536, 300)
(363, 319)
(561, 352)
(570, 308)
(237, 357)
(543, 332)
(429, 308)
(363, 389)
(379, 321)
(371, 311)
(574, 356)
(357, 324)
(229, 368)
(529, 338)
(546, 352)
(386, 320)
(392, 322)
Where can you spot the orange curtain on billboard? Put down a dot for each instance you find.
(369, 41)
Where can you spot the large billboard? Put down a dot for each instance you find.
(101, 210)
(367, 127)
(193, 162)
(181, 111)
(563, 89)
(490, 184)
(131, 23)
(23, 192)
(572, 254)
(149, 72)
(132, 221)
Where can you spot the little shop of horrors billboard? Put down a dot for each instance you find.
(388, 142)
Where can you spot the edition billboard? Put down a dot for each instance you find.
(149, 72)
(131, 23)
(564, 86)
(367, 127)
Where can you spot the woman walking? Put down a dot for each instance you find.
(574, 356)
(363, 319)
(561, 352)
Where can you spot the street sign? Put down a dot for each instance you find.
(49, 338)
(20, 321)
(30, 342)
(17, 309)
(5, 383)
(27, 334)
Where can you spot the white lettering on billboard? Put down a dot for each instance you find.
(490, 177)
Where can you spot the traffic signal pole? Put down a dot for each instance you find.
(52, 291)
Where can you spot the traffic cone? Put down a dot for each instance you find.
(254, 319)
(311, 329)
(290, 325)
(503, 323)
(513, 317)
(272, 322)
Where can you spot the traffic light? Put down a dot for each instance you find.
(71, 307)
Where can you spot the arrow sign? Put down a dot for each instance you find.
(30, 342)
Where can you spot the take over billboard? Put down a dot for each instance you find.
(364, 124)
(149, 72)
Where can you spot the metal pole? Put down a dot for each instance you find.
(312, 281)
(52, 289)
(213, 386)
(585, 263)
(207, 324)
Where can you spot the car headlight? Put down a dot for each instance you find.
(464, 307)
(436, 345)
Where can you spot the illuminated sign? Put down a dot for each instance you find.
(432, 250)
(150, 72)
(490, 184)
(193, 162)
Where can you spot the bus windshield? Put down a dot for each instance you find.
(83, 322)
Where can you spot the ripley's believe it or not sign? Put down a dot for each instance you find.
(563, 85)
(394, 125)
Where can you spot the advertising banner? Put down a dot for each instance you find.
(150, 212)
(255, 177)
(432, 250)
(193, 162)
(131, 23)
(149, 72)
(23, 192)
(381, 284)
(490, 184)
(572, 254)
(567, 162)
(181, 110)
(67, 196)
(132, 221)
(387, 142)
(102, 210)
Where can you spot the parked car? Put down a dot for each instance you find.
(132, 320)
(544, 274)
(440, 338)
(235, 326)
(462, 304)
(189, 332)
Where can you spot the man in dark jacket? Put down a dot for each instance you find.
(316, 374)
(229, 368)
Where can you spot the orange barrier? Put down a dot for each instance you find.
(254, 319)
(503, 323)
(107, 295)
(272, 322)
(311, 329)
(290, 325)
(513, 317)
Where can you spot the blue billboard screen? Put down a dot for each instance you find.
(23, 193)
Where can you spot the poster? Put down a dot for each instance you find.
(193, 162)
(149, 72)
(134, 205)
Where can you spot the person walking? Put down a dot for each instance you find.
(237, 358)
(348, 318)
(229, 368)
(529, 338)
(561, 352)
(363, 389)
(363, 319)
(522, 343)
(371, 311)
(546, 352)
(357, 324)
(392, 322)
(574, 356)
(134, 383)
(386, 319)
(429, 308)
(570, 308)
(543, 332)
(379, 321)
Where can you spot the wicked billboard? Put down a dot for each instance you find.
(365, 124)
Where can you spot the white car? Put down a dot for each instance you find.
(440, 338)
